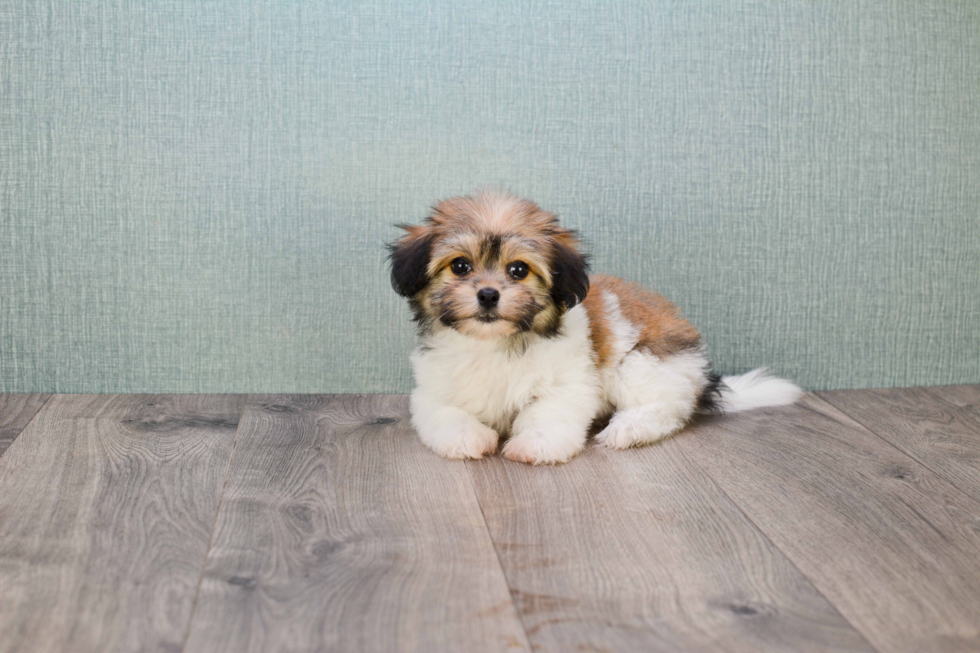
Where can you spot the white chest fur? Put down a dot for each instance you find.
(493, 381)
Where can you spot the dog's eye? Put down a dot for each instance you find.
(461, 267)
(518, 269)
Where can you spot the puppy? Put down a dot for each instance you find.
(516, 339)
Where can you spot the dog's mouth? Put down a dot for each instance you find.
(486, 326)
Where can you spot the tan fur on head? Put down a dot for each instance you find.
(492, 232)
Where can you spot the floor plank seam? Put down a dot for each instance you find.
(908, 454)
(29, 422)
(785, 555)
(496, 554)
(214, 526)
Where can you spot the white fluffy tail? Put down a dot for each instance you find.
(755, 389)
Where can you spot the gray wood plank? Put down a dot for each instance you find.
(339, 531)
(640, 551)
(891, 544)
(963, 396)
(16, 410)
(935, 431)
(106, 508)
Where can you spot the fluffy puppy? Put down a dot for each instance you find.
(516, 339)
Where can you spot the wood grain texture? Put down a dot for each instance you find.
(15, 412)
(931, 427)
(339, 531)
(964, 396)
(640, 551)
(891, 544)
(106, 508)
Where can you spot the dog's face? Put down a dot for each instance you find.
(489, 266)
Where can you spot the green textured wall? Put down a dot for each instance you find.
(194, 195)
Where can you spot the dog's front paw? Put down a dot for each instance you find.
(543, 446)
(464, 441)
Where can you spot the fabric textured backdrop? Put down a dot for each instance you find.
(194, 195)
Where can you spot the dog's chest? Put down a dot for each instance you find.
(491, 382)
(494, 382)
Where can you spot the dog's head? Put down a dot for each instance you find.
(489, 266)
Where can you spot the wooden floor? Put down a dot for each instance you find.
(206, 523)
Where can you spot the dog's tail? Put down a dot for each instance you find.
(755, 389)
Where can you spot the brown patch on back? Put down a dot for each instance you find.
(663, 331)
(600, 332)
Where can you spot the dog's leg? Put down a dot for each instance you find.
(553, 428)
(450, 431)
(654, 397)
(641, 425)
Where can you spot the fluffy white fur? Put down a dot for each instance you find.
(756, 389)
(471, 391)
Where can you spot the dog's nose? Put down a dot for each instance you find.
(488, 297)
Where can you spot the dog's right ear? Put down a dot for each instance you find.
(409, 258)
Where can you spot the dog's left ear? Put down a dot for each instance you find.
(569, 270)
(409, 258)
